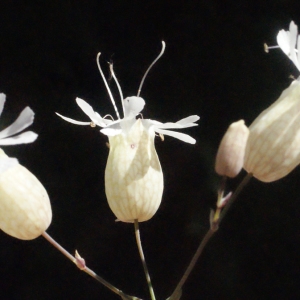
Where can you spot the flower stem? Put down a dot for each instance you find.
(209, 234)
(192, 264)
(140, 248)
(81, 265)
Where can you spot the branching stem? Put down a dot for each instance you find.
(209, 234)
(86, 269)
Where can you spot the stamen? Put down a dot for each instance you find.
(118, 85)
(162, 137)
(108, 116)
(155, 60)
(107, 87)
(267, 48)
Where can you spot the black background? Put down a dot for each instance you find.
(214, 66)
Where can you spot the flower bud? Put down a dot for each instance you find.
(25, 210)
(230, 156)
(273, 148)
(133, 175)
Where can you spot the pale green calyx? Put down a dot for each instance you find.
(231, 152)
(133, 175)
(273, 145)
(25, 210)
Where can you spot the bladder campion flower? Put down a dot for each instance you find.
(133, 175)
(273, 148)
(25, 210)
(231, 152)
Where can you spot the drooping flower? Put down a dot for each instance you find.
(273, 148)
(133, 175)
(25, 210)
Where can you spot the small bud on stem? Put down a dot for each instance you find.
(230, 156)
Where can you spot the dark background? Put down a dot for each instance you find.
(214, 66)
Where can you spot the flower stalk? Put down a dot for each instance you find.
(142, 256)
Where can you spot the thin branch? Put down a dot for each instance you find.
(192, 264)
(214, 226)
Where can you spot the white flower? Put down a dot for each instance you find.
(25, 210)
(272, 150)
(289, 43)
(133, 176)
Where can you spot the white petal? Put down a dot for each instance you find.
(102, 121)
(23, 138)
(89, 111)
(183, 123)
(293, 41)
(283, 41)
(148, 123)
(171, 125)
(6, 163)
(133, 106)
(176, 125)
(287, 41)
(73, 121)
(23, 121)
(178, 135)
(2, 102)
(190, 119)
(111, 131)
(298, 48)
(293, 34)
